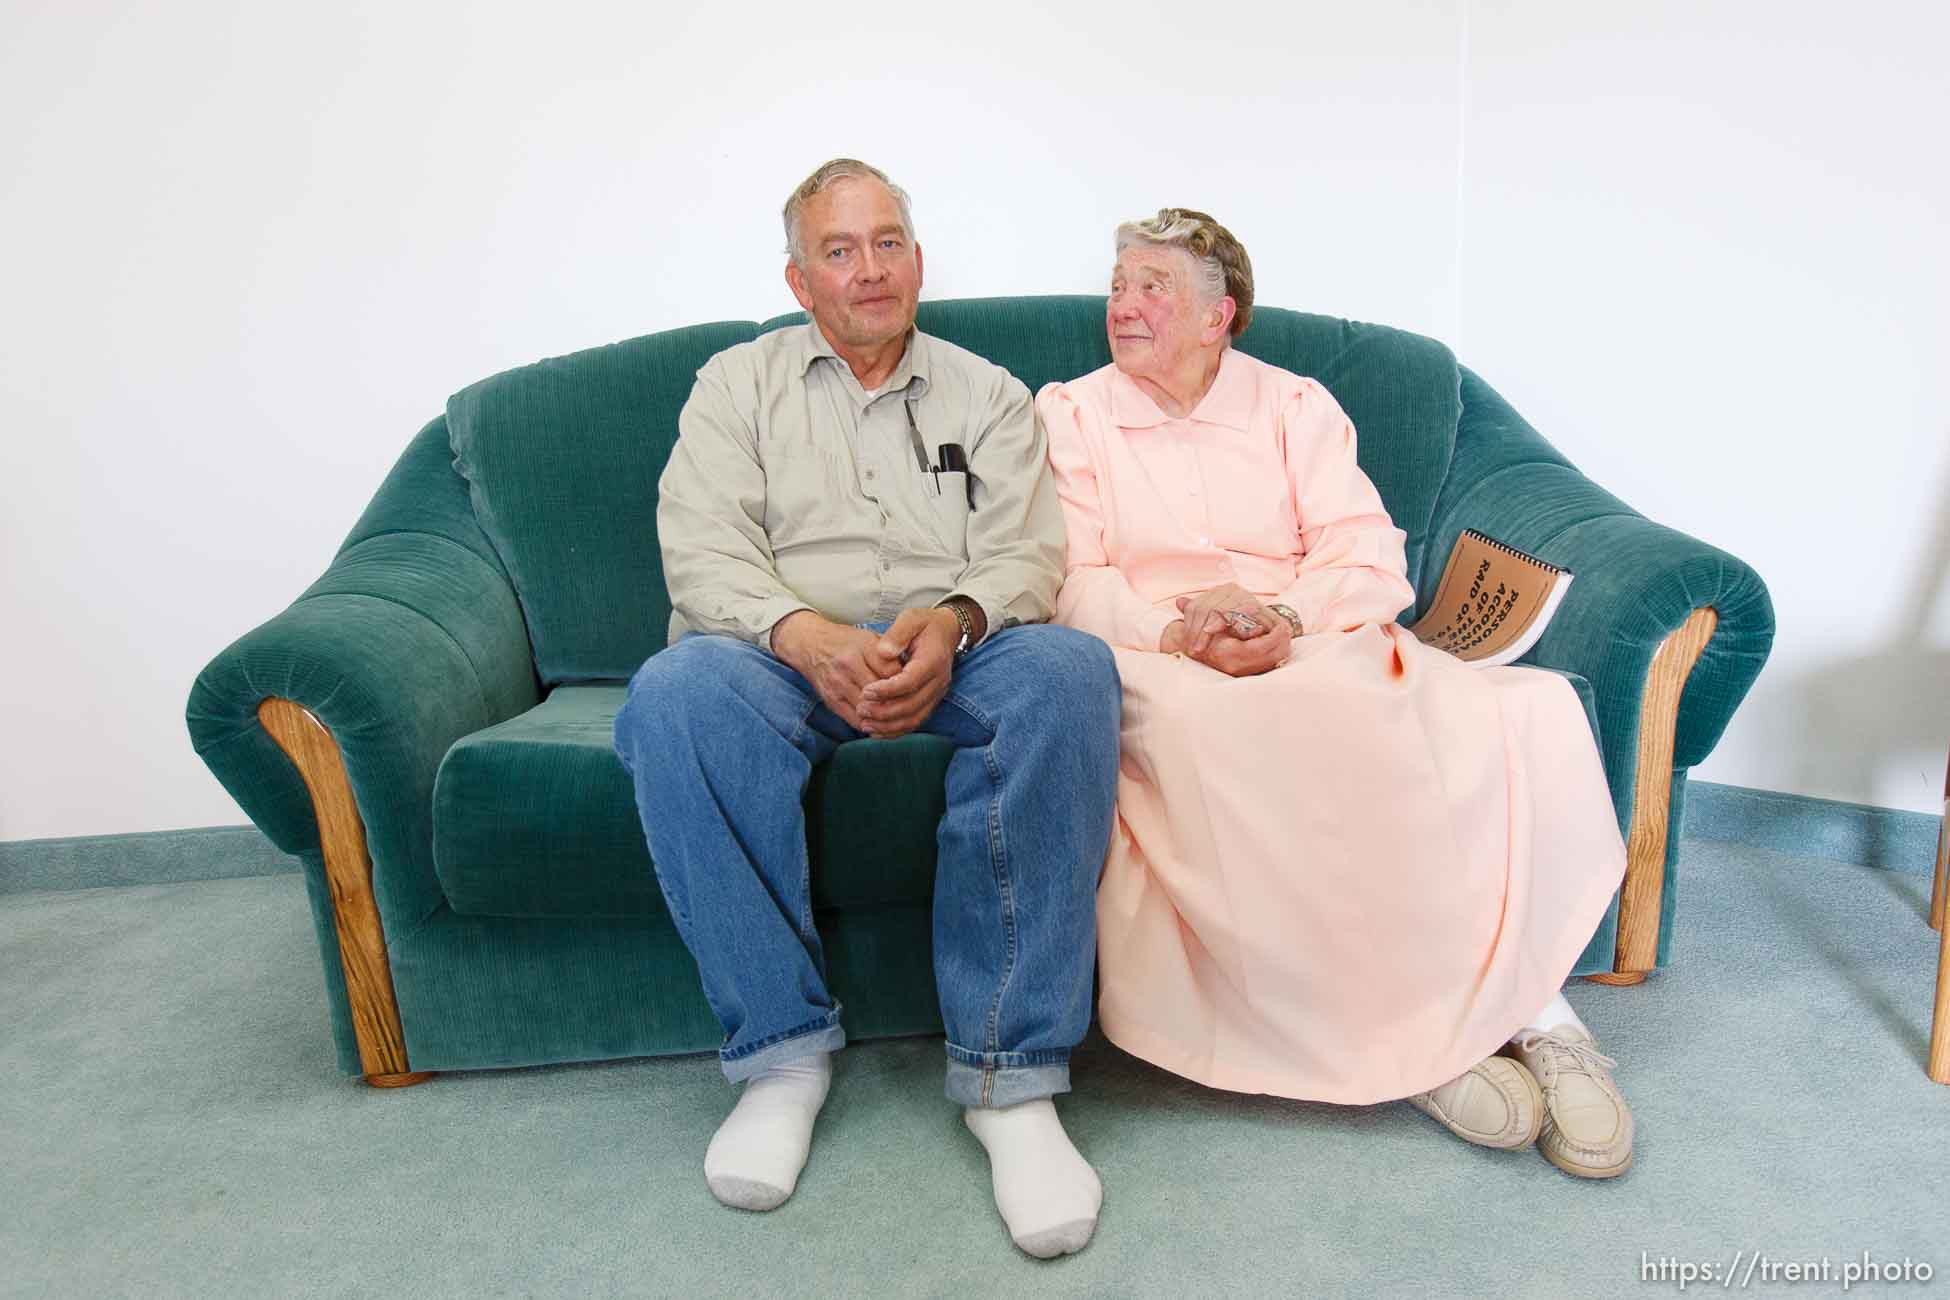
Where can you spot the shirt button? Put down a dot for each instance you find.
(1204, 541)
(871, 474)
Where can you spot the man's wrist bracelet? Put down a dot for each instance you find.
(964, 620)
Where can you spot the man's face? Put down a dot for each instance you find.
(862, 274)
(1154, 317)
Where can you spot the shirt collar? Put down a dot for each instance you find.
(912, 370)
(1229, 402)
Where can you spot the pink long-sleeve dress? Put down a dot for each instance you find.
(1350, 878)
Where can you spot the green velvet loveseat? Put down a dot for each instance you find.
(427, 727)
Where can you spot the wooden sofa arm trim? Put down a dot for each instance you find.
(348, 875)
(1645, 847)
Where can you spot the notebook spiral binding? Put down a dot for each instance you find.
(1511, 551)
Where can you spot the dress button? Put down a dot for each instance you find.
(1204, 541)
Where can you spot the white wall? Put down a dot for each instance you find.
(247, 254)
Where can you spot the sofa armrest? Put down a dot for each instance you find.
(1636, 582)
(410, 640)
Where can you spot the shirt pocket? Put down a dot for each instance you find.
(948, 511)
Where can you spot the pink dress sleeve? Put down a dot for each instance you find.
(1095, 597)
(1353, 568)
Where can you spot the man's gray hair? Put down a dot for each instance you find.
(839, 169)
(1219, 260)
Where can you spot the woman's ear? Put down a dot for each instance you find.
(1218, 321)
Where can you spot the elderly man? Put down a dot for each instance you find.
(862, 540)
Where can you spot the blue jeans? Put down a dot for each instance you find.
(720, 737)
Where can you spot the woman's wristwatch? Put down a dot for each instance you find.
(1286, 612)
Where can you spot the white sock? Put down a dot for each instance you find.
(1557, 1014)
(755, 1157)
(1048, 1194)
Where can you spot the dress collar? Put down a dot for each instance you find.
(1229, 402)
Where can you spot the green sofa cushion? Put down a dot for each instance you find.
(535, 817)
(562, 459)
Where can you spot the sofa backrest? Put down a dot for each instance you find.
(562, 457)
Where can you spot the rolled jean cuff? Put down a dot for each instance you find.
(821, 1035)
(1005, 1078)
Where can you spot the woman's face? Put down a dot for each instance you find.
(1154, 318)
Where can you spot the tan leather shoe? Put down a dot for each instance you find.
(1587, 1126)
(1494, 1103)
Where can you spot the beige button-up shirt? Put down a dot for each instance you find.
(791, 487)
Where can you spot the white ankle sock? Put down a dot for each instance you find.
(755, 1157)
(1556, 1013)
(1048, 1194)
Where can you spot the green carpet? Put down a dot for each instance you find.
(173, 1125)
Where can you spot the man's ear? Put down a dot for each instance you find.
(795, 280)
(1218, 322)
(918, 275)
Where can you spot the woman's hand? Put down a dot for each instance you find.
(1228, 629)
(1252, 656)
(1206, 616)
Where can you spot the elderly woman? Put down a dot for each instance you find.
(1347, 867)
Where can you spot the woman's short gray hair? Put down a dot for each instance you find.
(839, 169)
(1224, 270)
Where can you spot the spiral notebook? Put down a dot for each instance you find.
(1493, 602)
